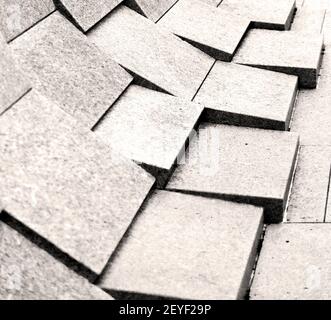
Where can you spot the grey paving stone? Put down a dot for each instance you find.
(85, 14)
(16, 16)
(212, 2)
(248, 96)
(216, 32)
(150, 127)
(294, 263)
(241, 164)
(309, 192)
(288, 52)
(69, 70)
(183, 246)
(61, 182)
(29, 273)
(156, 56)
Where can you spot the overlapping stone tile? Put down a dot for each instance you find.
(248, 96)
(294, 263)
(216, 32)
(157, 58)
(29, 273)
(69, 70)
(288, 52)
(61, 182)
(182, 246)
(16, 16)
(242, 164)
(150, 127)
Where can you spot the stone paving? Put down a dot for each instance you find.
(165, 149)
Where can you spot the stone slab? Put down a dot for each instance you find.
(214, 3)
(214, 31)
(246, 96)
(17, 16)
(69, 70)
(29, 273)
(294, 263)
(150, 128)
(61, 182)
(286, 52)
(242, 164)
(85, 14)
(182, 246)
(158, 58)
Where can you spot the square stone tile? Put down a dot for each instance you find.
(69, 70)
(156, 57)
(150, 128)
(242, 164)
(288, 52)
(216, 32)
(182, 246)
(248, 96)
(61, 182)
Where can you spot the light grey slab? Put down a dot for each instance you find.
(294, 263)
(85, 14)
(288, 52)
(29, 273)
(61, 182)
(248, 96)
(214, 3)
(157, 57)
(69, 70)
(241, 164)
(182, 246)
(216, 32)
(16, 16)
(150, 128)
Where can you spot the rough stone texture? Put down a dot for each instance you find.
(85, 14)
(212, 2)
(308, 199)
(67, 69)
(294, 263)
(29, 273)
(157, 57)
(16, 16)
(150, 127)
(248, 96)
(214, 31)
(287, 52)
(183, 246)
(246, 165)
(58, 180)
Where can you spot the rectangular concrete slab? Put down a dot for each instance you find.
(242, 164)
(246, 96)
(150, 128)
(29, 273)
(294, 263)
(288, 52)
(216, 32)
(61, 182)
(158, 58)
(182, 246)
(69, 70)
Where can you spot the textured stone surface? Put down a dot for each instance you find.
(216, 32)
(68, 70)
(61, 182)
(29, 273)
(287, 52)
(248, 96)
(183, 246)
(157, 57)
(85, 14)
(212, 2)
(246, 165)
(294, 263)
(150, 127)
(16, 16)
